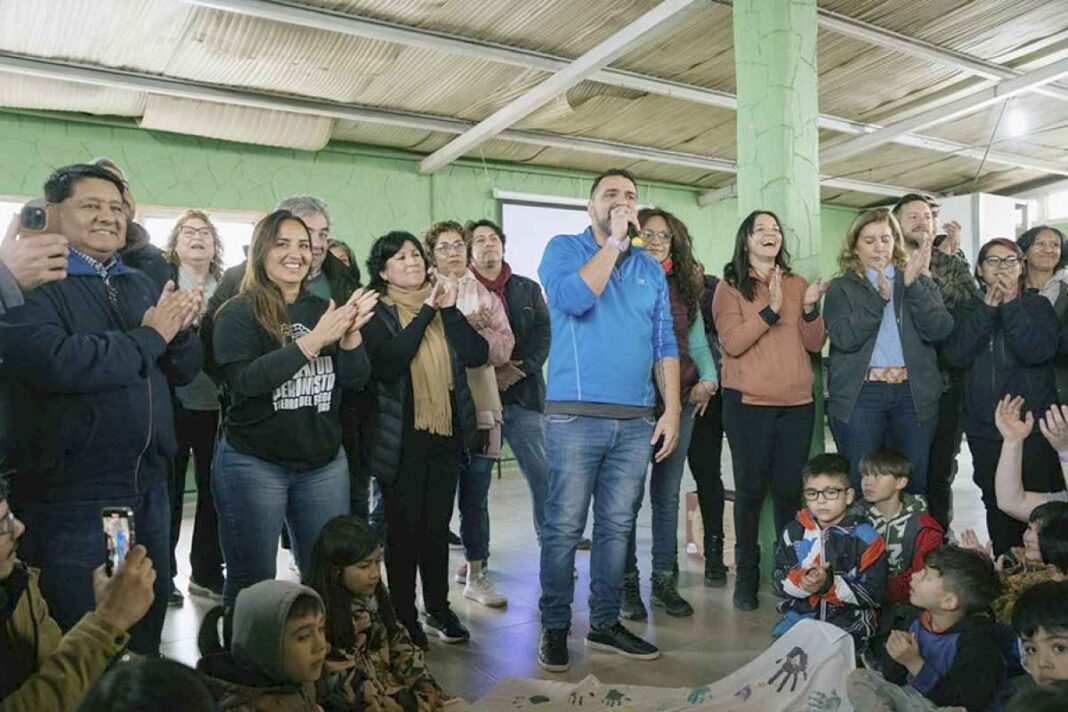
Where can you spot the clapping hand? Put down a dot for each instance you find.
(362, 303)
(775, 289)
(1007, 418)
(814, 579)
(919, 263)
(904, 648)
(952, 242)
(814, 293)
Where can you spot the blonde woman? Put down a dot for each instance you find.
(884, 315)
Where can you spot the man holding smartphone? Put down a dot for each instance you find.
(91, 360)
(28, 262)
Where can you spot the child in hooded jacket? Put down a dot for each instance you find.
(277, 649)
(373, 665)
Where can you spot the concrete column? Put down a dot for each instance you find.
(775, 44)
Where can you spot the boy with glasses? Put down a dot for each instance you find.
(830, 565)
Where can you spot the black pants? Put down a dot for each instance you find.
(195, 432)
(704, 456)
(945, 447)
(769, 446)
(418, 509)
(1041, 473)
(357, 410)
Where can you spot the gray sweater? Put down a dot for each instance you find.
(853, 311)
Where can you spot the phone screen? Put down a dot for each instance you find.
(118, 534)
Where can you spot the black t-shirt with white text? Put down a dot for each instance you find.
(284, 408)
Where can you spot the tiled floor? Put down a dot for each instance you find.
(697, 650)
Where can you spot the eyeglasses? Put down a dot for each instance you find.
(444, 247)
(995, 261)
(191, 231)
(7, 523)
(829, 493)
(662, 236)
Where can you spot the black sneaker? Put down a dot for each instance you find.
(631, 607)
(584, 544)
(419, 638)
(666, 596)
(552, 650)
(209, 590)
(617, 639)
(447, 627)
(715, 571)
(175, 599)
(454, 541)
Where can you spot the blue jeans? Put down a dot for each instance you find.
(66, 541)
(473, 497)
(664, 487)
(885, 416)
(605, 459)
(255, 497)
(524, 429)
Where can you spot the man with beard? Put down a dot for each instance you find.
(950, 271)
(612, 333)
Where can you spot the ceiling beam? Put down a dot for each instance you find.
(646, 28)
(947, 112)
(357, 26)
(201, 91)
(927, 51)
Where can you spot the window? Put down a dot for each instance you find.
(235, 229)
(9, 204)
(530, 227)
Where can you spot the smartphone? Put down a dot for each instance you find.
(118, 535)
(37, 217)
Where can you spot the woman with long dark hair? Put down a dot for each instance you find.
(769, 322)
(667, 240)
(195, 252)
(884, 315)
(372, 662)
(285, 356)
(1006, 342)
(420, 346)
(1045, 251)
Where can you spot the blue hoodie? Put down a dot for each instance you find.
(604, 347)
(92, 386)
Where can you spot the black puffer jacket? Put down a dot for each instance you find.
(392, 384)
(1006, 350)
(529, 318)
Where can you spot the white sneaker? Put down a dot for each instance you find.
(480, 589)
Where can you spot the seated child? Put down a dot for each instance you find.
(954, 653)
(277, 649)
(372, 664)
(1048, 698)
(900, 518)
(830, 565)
(1025, 566)
(1040, 619)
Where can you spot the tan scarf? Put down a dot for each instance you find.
(431, 369)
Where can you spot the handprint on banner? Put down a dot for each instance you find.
(794, 666)
(744, 693)
(615, 698)
(578, 699)
(822, 702)
(697, 695)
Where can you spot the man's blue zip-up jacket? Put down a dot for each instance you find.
(603, 347)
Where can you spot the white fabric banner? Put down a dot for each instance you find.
(803, 671)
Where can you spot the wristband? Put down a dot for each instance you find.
(619, 244)
(308, 353)
(1062, 456)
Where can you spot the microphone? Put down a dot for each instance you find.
(635, 236)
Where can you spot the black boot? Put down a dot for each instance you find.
(631, 607)
(666, 595)
(747, 580)
(715, 571)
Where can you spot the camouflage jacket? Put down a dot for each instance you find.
(954, 278)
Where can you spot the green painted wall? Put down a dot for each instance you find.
(370, 190)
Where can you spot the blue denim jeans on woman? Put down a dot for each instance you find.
(524, 429)
(884, 416)
(664, 484)
(255, 497)
(590, 457)
(473, 498)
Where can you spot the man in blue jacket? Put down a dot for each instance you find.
(90, 360)
(612, 335)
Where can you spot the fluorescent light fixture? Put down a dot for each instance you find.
(1016, 122)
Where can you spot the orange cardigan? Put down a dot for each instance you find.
(769, 365)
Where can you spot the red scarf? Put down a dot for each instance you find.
(497, 285)
(668, 266)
